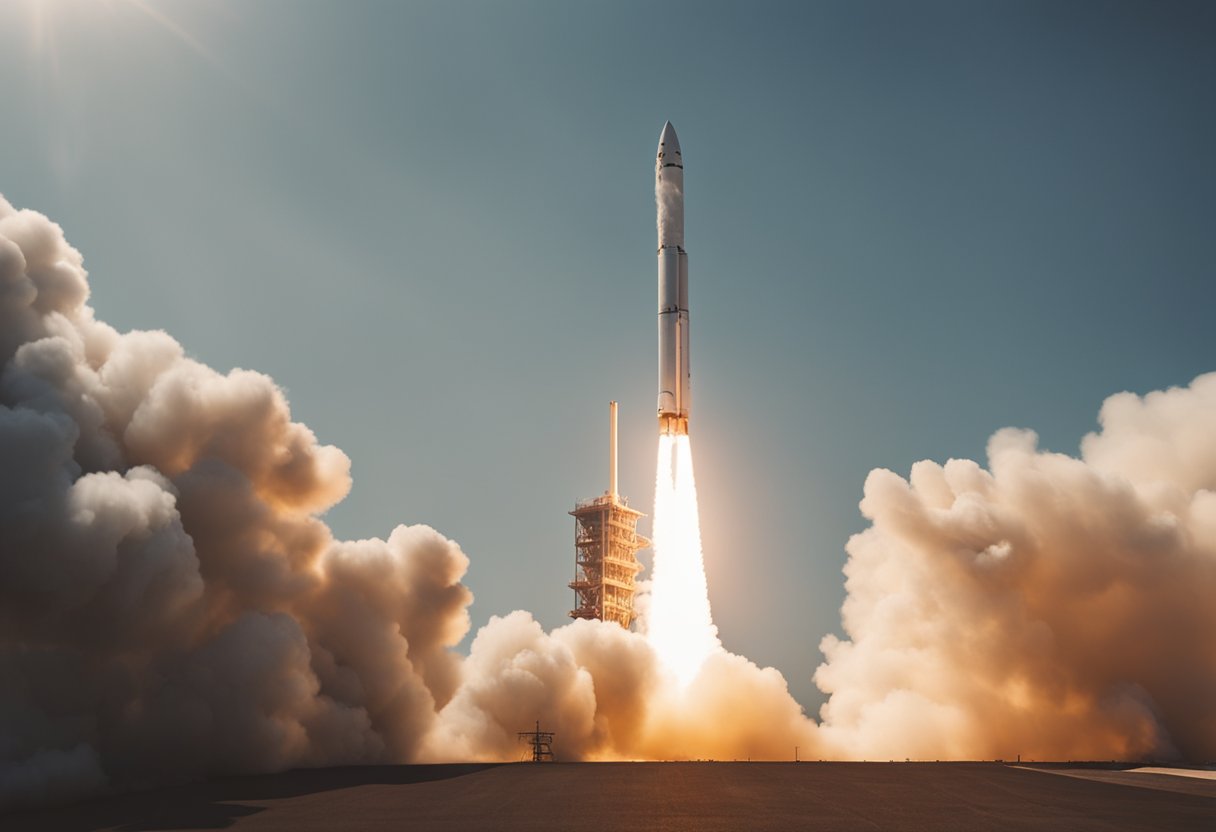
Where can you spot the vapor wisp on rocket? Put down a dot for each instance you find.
(673, 286)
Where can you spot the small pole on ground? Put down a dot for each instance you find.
(541, 742)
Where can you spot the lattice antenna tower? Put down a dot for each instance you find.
(541, 742)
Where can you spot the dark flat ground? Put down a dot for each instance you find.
(605, 797)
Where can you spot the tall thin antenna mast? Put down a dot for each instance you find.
(612, 450)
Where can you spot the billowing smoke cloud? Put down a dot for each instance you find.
(172, 607)
(1050, 606)
(607, 696)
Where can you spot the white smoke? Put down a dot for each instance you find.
(1053, 607)
(172, 607)
(606, 694)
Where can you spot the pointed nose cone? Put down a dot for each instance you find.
(669, 143)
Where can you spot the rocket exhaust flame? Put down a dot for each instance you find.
(679, 624)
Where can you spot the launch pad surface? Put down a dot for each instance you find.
(657, 796)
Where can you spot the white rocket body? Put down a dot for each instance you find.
(673, 286)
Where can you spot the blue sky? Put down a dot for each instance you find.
(908, 224)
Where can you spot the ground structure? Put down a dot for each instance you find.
(669, 797)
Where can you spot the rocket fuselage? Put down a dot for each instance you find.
(673, 286)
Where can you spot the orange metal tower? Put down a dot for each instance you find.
(606, 543)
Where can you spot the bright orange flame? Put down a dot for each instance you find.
(679, 624)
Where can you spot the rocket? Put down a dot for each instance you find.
(673, 286)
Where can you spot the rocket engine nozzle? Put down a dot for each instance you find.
(671, 425)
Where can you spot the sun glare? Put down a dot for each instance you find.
(46, 20)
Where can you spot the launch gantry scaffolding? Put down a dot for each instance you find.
(606, 543)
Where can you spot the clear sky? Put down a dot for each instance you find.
(908, 225)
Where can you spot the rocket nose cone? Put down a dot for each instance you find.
(668, 141)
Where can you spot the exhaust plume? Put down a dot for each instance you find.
(675, 608)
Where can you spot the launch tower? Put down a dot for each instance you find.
(606, 543)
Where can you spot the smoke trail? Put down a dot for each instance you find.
(677, 616)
